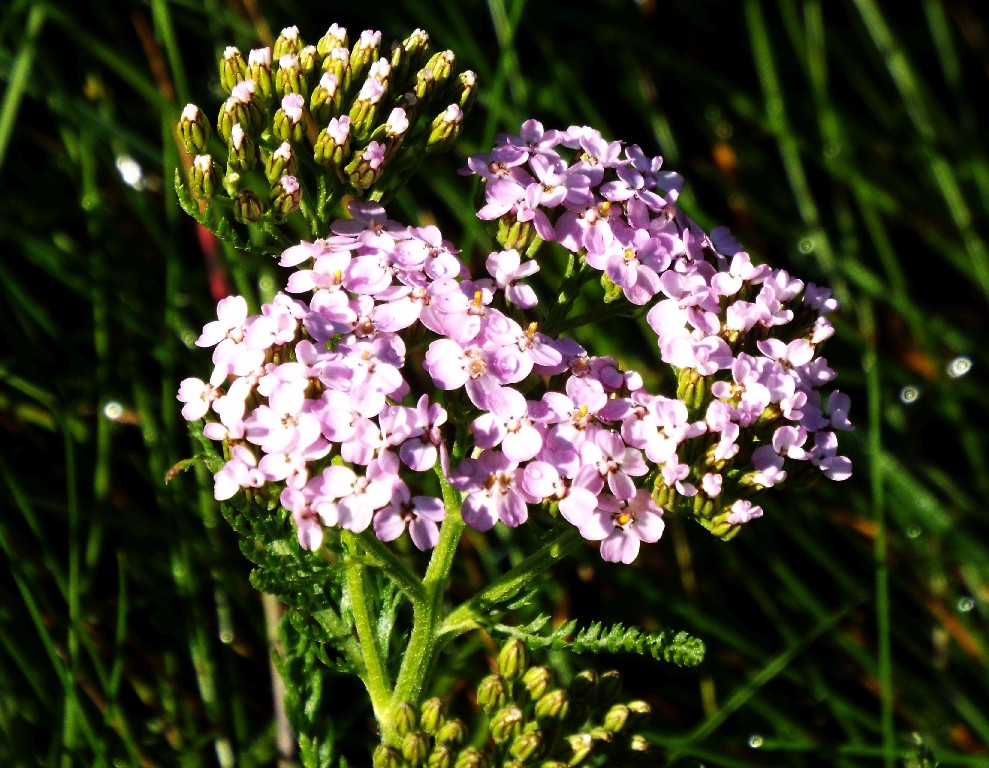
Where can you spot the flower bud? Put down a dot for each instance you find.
(366, 167)
(247, 207)
(405, 718)
(325, 100)
(242, 107)
(409, 55)
(415, 748)
(288, 123)
(285, 196)
(466, 90)
(452, 732)
(431, 715)
(335, 37)
(471, 757)
(537, 681)
(203, 177)
(194, 130)
(366, 51)
(425, 85)
(581, 745)
(513, 660)
(445, 129)
(441, 65)
(617, 718)
(584, 685)
(333, 143)
(506, 724)
(553, 706)
(280, 163)
(289, 77)
(517, 235)
(528, 746)
(288, 43)
(440, 757)
(386, 756)
(492, 693)
(232, 68)
(692, 389)
(259, 70)
(609, 686)
(309, 60)
(337, 63)
(639, 712)
(242, 152)
(662, 494)
(639, 743)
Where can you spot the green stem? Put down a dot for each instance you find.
(469, 615)
(375, 675)
(377, 555)
(423, 646)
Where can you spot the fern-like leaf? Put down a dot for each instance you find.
(678, 648)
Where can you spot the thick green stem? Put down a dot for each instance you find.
(469, 615)
(378, 555)
(423, 646)
(375, 675)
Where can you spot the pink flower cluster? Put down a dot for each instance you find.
(321, 399)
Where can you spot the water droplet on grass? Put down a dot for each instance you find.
(909, 394)
(966, 604)
(959, 366)
(755, 741)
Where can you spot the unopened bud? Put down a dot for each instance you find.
(335, 37)
(639, 743)
(366, 167)
(410, 54)
(337, 63)
(492, 693)
(386, 756)
(289, 77)
(232, 68)
(452, 732)
(471, 757)
(466, 90)
(692, 389)
(425, 85)
(325, 100)
(333, 143)
(309, 60)
(431, 715)
(288, 124)
(366, 51)
(553, 706)
(259, 70)
(415, 748)
(288, 42)
(445, 129)
(242, 107)
(194, 130)
(584, 685)
(280, 163)
(518, 235)
(616, 719)
(247, 207)
(441, 65)
(242, 152)
(581, 745)
(440, 757)
(405, 718)
(537, 681)
(513, 660)
(285, 196)
(609, 686)
(506, 724)
(639, 712)
(528, 746)
(203, 177)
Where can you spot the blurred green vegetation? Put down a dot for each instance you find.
(842, 140)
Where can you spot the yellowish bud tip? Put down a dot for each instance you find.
(477, 298)
(531, 330)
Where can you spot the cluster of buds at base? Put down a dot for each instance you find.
(359, 118)
(530, 721)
